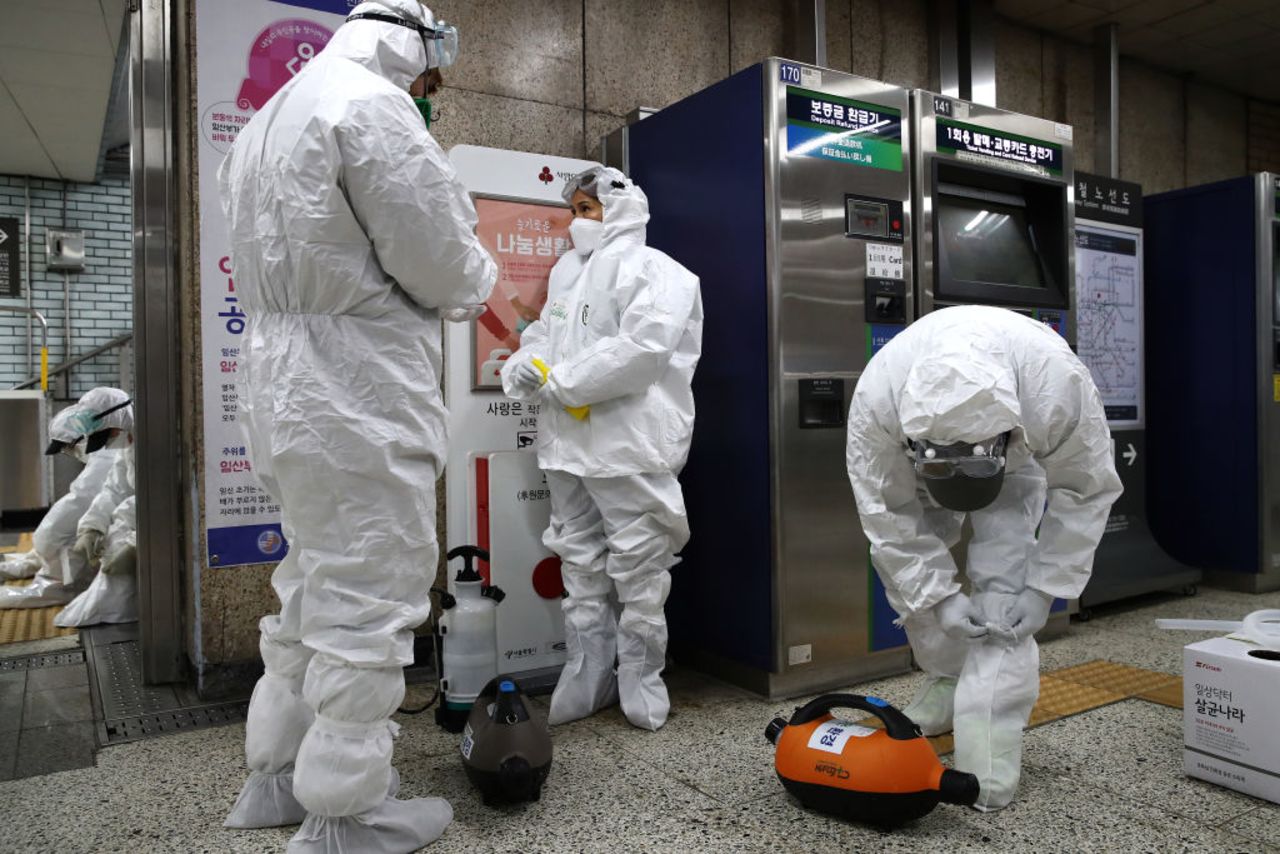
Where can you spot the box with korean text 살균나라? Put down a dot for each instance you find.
(1230, 708)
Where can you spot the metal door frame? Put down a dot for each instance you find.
(153, 29)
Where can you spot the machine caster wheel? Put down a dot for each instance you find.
(1190, 590)
(1084, 615)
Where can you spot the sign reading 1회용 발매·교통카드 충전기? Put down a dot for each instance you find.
(981, 143)
(248, 50)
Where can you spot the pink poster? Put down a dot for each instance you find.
(526, 240)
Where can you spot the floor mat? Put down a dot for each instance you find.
(28, 624)
(1084, 687)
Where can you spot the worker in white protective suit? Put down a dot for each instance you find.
(611, 361)
(60, 573)
(351, 237)
(106, 536)
(982, 411)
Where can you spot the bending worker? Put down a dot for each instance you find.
(611, 361)
(980, 411)
(60, 571)
(351, 237)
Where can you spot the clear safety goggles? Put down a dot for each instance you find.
(440, 40)
(968, 459)
(589, 183)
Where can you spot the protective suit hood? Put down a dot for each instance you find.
(391, 52)
(964, 391)
(626, 209)
(103, 408)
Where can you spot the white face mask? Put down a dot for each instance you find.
(586, 234)
(76, 452)
(119, 440)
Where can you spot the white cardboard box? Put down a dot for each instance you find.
(1230, 712)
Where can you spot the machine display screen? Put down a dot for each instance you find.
(986, 241)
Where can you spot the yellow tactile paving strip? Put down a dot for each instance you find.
(28, 624)
(1107, 675)
(1169, 694)
(1087, 686)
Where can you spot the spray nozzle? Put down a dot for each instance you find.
(468, 554)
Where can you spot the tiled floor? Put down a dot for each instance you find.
(1107, 780)
(46, 719)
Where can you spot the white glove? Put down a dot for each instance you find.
(959, 618)
(123, 562)
(1029, 613)
(462, 315)
(526, 378)
(88, 545)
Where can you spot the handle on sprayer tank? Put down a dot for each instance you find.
(468, 572)
(896, 724)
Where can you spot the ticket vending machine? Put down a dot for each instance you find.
(993, 217)
(786, 189)
(1213, 335)
(1110, 339)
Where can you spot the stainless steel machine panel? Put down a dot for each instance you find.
(817, 277)
(1018, 164)
(24, 472)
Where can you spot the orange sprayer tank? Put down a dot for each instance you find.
(885, 777)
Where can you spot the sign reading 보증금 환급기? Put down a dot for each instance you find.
(834, 128)
(956, 137)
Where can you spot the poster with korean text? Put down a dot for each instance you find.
(526, 239)
(247, 50)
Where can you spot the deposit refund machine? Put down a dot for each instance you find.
(786, 189)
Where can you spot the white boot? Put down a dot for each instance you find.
(933, 708)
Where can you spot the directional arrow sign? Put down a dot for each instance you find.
(1131, 455)
(10, 284)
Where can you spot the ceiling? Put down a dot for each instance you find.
(57, 58)
(1234, 43)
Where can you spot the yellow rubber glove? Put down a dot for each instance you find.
(578, 412)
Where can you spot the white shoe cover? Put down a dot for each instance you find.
(15, 566)
(587, 682)
(392, 827)
(43, 591)
(266, 801)
(933, 708)
(109, 599)
(582, 694)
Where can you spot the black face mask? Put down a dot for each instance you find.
(965, 494)
(97, 441)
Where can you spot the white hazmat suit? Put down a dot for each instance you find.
(107, 533)
(60, 573)
(350, 236)
(621, 333)
(966, 374)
